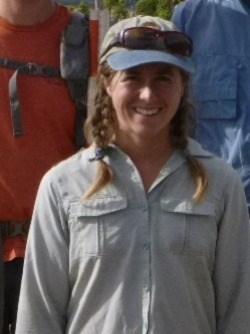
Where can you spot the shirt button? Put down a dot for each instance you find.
(145, 207)
(146, 287)
(145, 245)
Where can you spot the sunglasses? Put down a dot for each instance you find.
(143, 38)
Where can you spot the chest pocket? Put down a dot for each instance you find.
(214, 86)
(97, 227)
(186, 226)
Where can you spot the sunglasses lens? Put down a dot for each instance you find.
(150, 38)
(139, 38)
(178, 43)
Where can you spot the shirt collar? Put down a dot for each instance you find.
(196, 150)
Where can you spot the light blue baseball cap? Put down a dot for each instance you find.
(121, 58)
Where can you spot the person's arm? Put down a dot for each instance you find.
(232, 266)
(45, 286)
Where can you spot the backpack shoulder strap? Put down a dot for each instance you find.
(23, 68)
(74, 66)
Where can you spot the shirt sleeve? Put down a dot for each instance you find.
(45, 285)
(231, 276)
(178, 16)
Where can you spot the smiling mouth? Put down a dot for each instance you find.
(147, 112)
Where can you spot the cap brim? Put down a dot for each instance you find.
(126, 59)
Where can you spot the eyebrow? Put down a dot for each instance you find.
(131, 71)
(166, 69)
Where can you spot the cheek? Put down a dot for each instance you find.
(121, 97)
(176, 94)
(172, 91)
(172, 98)
(177, 99)
(116, 102)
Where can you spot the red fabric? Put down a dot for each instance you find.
(47, 114)
(94, 35)
(13, 248)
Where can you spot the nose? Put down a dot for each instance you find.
(147, 92)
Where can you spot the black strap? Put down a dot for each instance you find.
(75, 68)
(81, 116)
(78, 93)
(14, 228)
(23, 68)
(30, 68)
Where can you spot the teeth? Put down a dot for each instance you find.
(147, 112)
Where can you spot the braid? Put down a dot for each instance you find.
(99, 125)
(99, 129)
(199, 174)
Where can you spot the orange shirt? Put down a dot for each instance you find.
(47, 114)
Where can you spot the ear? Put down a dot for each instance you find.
(183, 91)
(183, 88)
(107, 86)
(108, 90)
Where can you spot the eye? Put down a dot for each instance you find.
(165, 77)
(131, 77)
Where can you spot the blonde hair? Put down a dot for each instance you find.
(99, 128)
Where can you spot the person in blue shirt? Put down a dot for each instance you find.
(220, 30)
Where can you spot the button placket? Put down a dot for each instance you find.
(146, 267)
(145, 245)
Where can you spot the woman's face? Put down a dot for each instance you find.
(145, 100)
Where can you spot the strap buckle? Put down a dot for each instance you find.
(36, 69)
(12, 229)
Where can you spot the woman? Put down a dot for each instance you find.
(143, 232)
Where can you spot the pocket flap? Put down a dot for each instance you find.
(215, 102)
(99, 206)
(216, 92)
(186, 206)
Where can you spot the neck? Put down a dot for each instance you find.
(153, 155)
(149, 148)
(149, 156)
(146, 151)
(26, 12)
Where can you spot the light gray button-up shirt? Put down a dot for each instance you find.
(130, 262)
